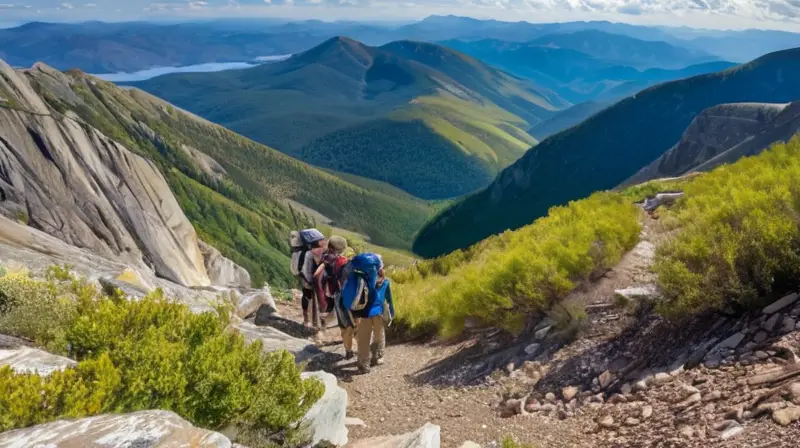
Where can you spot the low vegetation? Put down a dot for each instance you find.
(737, 239)
(145, 354)
(505, 278)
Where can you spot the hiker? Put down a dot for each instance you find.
(330, 277)
(307, 249)
(376, 316)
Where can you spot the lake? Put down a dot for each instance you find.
(209, 67)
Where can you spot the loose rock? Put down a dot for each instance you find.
(787, 416)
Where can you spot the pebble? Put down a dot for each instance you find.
(728, 429)
(712, 396)
(606, 422)
(788, 325)
(569, 393)
(630, 421)
(686, 431)
(794, 390)
(761, 355)
(787, 416)
(760, 337)
(605, 379)
(551, 397)
(532, 349)
(647, 412)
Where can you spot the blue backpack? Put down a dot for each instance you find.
(360, 276)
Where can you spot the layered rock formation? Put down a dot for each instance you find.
(723, 134)
(139, 429)
(65, 178)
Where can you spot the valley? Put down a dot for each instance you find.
(450, 121)
(588, 232)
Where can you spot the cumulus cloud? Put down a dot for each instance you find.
(716, 13)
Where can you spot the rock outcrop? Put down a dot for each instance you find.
(326, 420)
(426, 437)
(32, 360)
(273, 340)
(222, 271)
(723, 134)
(139, 429)
(67, 179)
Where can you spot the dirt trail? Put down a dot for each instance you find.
(391, 399)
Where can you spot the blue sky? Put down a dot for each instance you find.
(777, 14)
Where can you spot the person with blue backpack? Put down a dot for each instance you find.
(367, 294)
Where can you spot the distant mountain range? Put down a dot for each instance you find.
(98, 47)
(591, 65)
(604, 150)
(424, 118)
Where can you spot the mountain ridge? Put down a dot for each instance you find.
(603, 151)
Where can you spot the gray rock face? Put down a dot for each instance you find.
(274, 340)
(222, 271)
(723, 134)
(426, 437)
(140, 429)
(89, 191)
(327, 419)
(23, 247)
(32, 360)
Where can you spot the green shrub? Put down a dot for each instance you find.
(35, 310)
(509, 442)
(504, 278)
(152, 354)
(737, 240)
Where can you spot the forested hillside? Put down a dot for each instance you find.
(604, 150)
(233, 190)
(388, 113)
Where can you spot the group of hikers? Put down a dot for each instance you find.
(355, 290)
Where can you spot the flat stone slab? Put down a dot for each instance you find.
(33, 360)
(146, 429)
(274, 340)
(780, 304)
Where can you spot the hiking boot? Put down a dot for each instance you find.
(363, 368)
(376, 362)
(349, 354)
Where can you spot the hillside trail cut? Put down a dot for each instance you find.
(629, 379)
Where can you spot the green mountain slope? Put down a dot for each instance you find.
(604, 150)
(389, 113)
(233, 190)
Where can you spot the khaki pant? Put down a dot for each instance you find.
(367, 328)
(347, 338)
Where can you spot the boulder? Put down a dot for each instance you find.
(139, 429)
(255, 300)
(222, 271)
(426, 437)
(33, 360)
(649, 291)
(274, 340)
(650, 204)
(327, 419)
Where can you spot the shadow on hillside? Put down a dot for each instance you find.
(646, 341)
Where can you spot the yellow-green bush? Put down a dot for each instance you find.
(504, 278)
(737, 240)
(34, 310)
(154, 354)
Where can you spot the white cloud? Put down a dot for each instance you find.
(710, 13)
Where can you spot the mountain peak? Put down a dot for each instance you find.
(337, 47)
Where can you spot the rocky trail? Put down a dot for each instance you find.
(628, 379)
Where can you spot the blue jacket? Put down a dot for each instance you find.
(381, 295)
